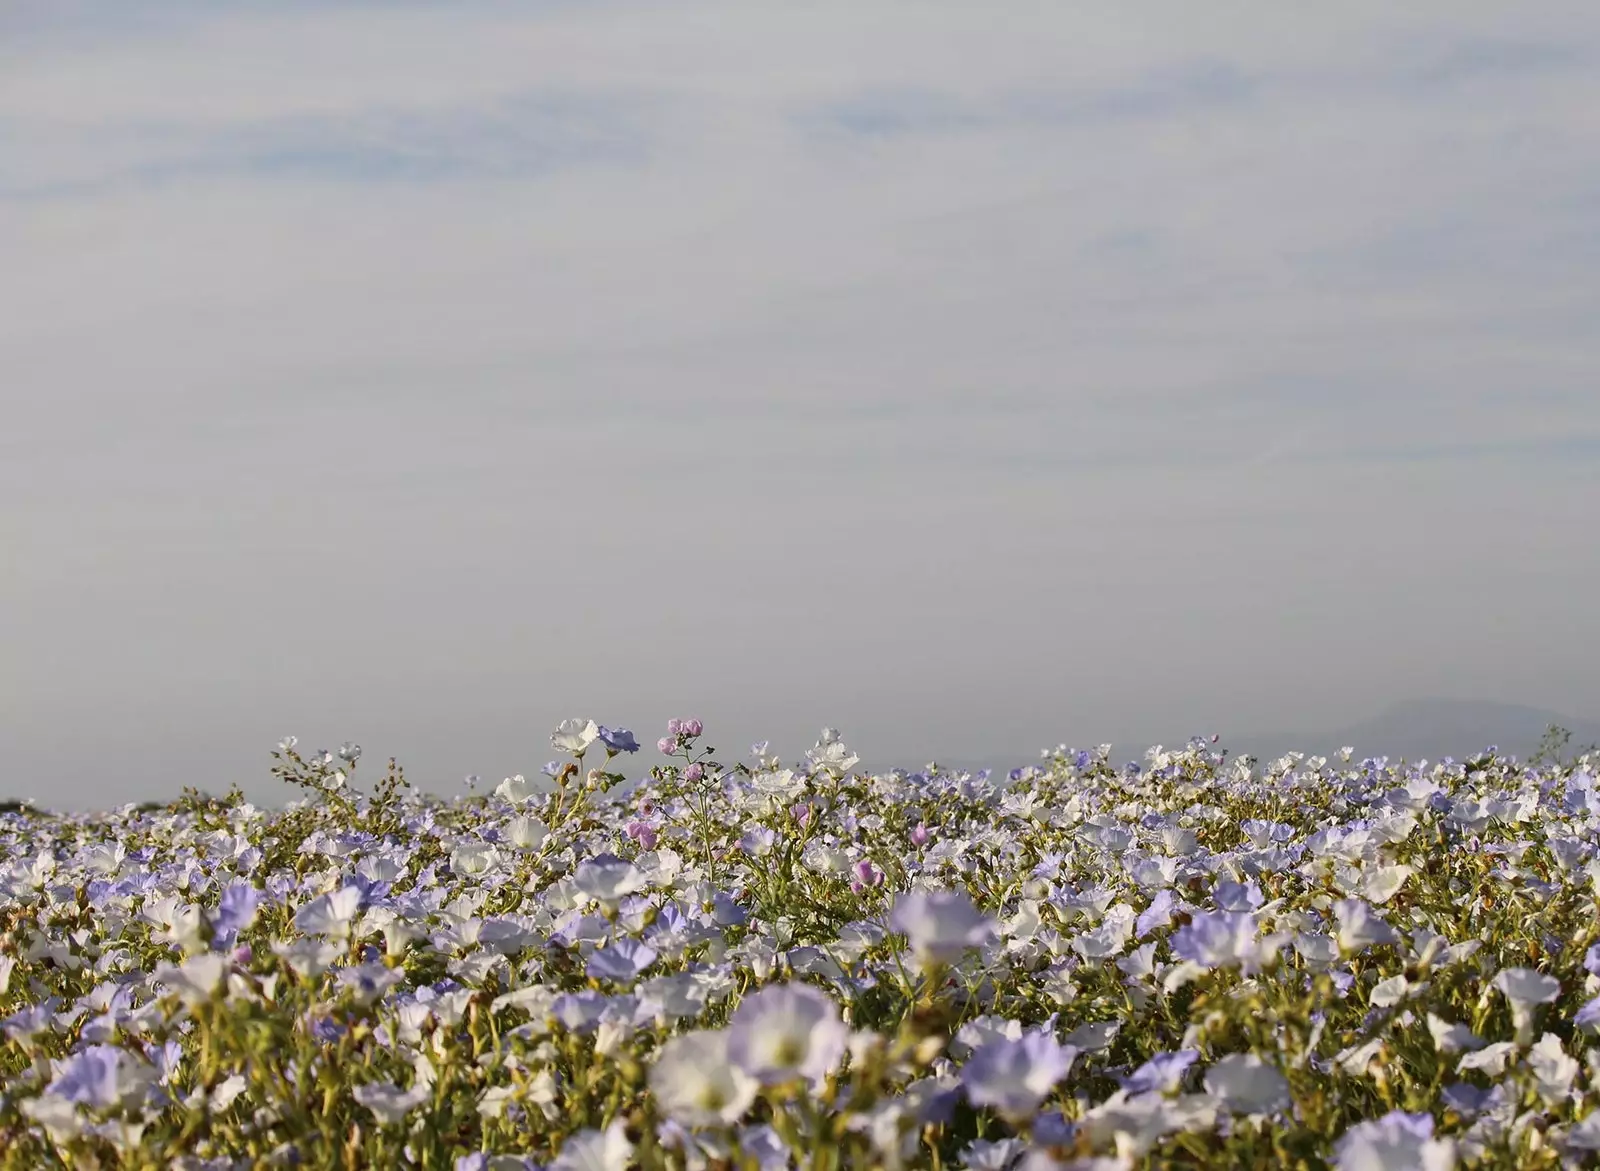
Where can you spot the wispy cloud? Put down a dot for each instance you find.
(459, 338)
(517, 137)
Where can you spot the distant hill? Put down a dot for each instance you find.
(1415, 729)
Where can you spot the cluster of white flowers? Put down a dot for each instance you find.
(1187, 961)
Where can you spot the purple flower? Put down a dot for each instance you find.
(1238, 896)
(694, 773)
(1014, 1075)
(623, 961)
(236, 910)
(618, 740)
(692, 728)
(1163, 1072)
(919, 835)
(1395, 1140)
(1156, 916)
(666, 745)
(867, 874)
(89, 1078)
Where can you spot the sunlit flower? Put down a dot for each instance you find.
(940, 926)
(198, 978)
(1360, 926)
(787, 1031)
(1015, 1075)
(1524, 990)
(1395, 1142)
(574, 736)
(331, 914)
(390, 1104)
(1248, 1085)
(596, 1150)
(695, 1082)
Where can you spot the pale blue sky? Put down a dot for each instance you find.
(970, 377)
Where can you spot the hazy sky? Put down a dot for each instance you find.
(971, 377)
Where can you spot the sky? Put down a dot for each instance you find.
(970, 378)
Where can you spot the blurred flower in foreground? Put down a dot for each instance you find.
(787, 1031)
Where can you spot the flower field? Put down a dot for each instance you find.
(1189, 962)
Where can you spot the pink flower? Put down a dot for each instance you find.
(919, 836)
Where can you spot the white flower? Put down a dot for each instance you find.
(330, 914)
(1452, 1038)
(473, 859)
(574, 736)
(1014, 1075)
(1360, 926)
(1382, 884)
(1552, 1069)
(607, 878)
(519, 790)
(309, 958)
(830, 755)
(1133, 1124)
(1248, 1085)
(1395, 1142)
(1491, 1059)
(197, 979)
(787, 1031)
(595, 1150)
(388, 1102)
(695, 1084)
(526, 833)
(1524, 990)
(940, 925)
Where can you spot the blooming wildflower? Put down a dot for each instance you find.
(369, 982)
(1163, 1072)
(617, 740)
(1225, 939)
(607, 878)
(1248, 1085)
(596, 1150)
(475, 859)
(197, 979)
(1553, 1070)
(101, 1076)
(1360, 926)
(236, 910)
(389, 1103)
(331, 914)
(1524, 990)
(574, 736)
(940, 925)
(526, 833)
(830, 755)
(787, 1031)
(1452, 1038)
(1014, 1075)
(623, 961)
(1395, 1142)
(1491, 1059)
(695, 1083)
(1132, 1124)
